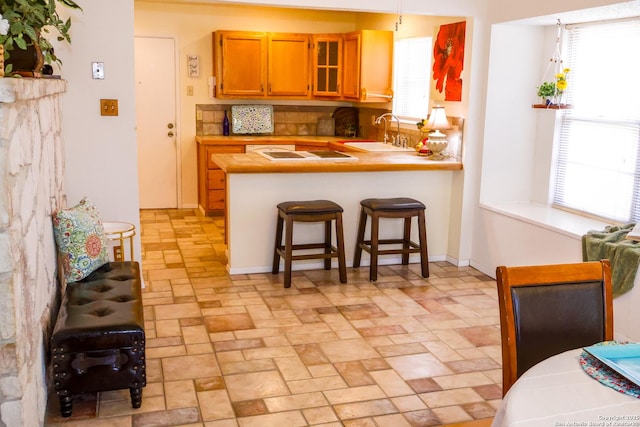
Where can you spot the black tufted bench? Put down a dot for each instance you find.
(98, 341)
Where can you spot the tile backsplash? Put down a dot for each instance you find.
(288, 119)
(301, 120)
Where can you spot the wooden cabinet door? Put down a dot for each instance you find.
(376, 66)
(327, 65)
(351, 66)
(241, 60)
(288, 70)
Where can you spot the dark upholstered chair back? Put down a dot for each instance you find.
(548, 309)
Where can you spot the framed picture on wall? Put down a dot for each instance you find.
(448, 61)
(193, 65)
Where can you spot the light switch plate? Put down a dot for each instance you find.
(97, 70)
(108, 107)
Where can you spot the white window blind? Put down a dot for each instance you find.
(598, 159)
(411, 65)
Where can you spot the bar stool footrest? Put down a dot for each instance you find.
(414, 247)
(334, 254)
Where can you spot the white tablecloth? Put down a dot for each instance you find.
(558, 393)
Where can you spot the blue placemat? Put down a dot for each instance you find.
(607, 376)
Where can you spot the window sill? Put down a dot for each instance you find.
(545, 216)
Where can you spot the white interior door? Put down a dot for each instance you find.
(156, 122)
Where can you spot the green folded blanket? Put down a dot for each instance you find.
(623, 254)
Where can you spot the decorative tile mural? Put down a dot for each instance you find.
(252, 119)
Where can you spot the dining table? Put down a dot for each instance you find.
(558, 392)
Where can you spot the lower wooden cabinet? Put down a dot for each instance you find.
(216, 183)
(212, 184)
(212, 181)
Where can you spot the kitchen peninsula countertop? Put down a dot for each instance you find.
(364, 162)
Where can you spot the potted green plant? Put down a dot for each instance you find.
(546, 91)
(27, 22)
(552, 92)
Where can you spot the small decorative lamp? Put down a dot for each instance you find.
(437, 141)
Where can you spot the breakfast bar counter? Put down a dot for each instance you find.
(255, 185)
(363, 162)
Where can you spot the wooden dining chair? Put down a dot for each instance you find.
(548, 309)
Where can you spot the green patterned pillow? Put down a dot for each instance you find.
(80, 239)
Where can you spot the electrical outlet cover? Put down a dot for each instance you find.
(98, 70)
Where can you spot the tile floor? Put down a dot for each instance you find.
(243, 351)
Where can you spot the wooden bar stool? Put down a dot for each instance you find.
(399, 207)
(309, 211)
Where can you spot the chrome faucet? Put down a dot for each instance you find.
(384, 117)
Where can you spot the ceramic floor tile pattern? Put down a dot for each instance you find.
(243, 351)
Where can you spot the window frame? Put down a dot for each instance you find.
(401, 75)
(582, 140)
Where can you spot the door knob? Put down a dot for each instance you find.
(169, 133)
(170, 125)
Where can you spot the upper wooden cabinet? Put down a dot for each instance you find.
(356, 66)
(257, 65)
(351, 74)
(240, 63)
(368, 66)
(288, 70)
(327, 65)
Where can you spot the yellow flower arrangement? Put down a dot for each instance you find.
(561, 80)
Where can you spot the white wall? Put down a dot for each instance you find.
(503, 240)
(509, 134)
(101, 151)
(518, 139)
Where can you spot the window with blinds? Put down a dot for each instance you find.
(597, 168)
(411, 66)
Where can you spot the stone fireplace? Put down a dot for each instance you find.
(31, 188)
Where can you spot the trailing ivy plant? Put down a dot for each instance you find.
(28, 23)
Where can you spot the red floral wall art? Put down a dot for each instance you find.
(448, 60)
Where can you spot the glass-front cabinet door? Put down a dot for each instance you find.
(327, 67)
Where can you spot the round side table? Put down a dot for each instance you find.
(119, 232)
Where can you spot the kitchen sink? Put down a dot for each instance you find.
(377, 146)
